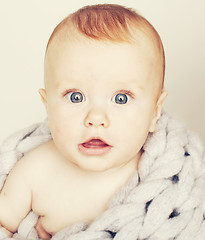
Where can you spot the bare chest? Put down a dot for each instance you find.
(63, 201)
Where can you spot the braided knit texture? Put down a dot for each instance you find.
(164, 200)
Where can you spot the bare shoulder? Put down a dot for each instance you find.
(16, 194)
(41, 157)
(35, 162)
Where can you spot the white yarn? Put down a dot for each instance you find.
(165, 200)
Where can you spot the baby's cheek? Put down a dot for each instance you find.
(56, 127)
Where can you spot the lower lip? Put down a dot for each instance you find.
(94, 151)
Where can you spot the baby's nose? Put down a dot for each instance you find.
(96, 117)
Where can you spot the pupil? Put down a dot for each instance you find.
(77, 97)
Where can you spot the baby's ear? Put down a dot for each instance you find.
(158, 110)
(43, 95)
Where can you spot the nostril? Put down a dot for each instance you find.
(91, 124)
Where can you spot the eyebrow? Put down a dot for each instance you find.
(60, 85)
(122, 84)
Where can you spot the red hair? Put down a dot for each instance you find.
(109, 22)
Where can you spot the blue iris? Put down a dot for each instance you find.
(121, 98)
(76, 97)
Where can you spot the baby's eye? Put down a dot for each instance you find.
(121, 98)
(75, 97)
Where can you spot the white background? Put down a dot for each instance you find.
(25, 26)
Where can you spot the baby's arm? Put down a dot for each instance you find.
(15, 197)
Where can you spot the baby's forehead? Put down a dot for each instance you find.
(79, 46)
(142, 37)
(142, 40)
(143, 43)
(123, 62)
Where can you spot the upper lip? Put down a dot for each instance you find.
(97, 138)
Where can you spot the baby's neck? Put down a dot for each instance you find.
(120, 174)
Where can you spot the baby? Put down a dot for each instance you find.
(104, 71)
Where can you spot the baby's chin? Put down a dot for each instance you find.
(95, 164)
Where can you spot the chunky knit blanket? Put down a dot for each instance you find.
(164, 200)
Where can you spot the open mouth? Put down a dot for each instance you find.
(94, 146)
(95, 143)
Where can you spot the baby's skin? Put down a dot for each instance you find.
(59, 192)
(102, 100)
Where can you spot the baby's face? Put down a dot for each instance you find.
(101, 101)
